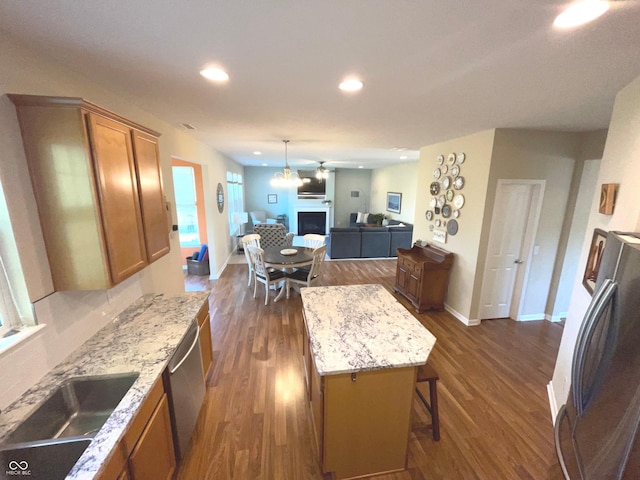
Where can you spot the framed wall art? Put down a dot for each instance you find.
(272, 198)
(593, 260)
(394, 201)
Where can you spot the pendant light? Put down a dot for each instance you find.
(286, 178)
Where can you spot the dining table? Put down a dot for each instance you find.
(286, 259)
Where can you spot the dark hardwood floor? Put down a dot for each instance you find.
(255, 423)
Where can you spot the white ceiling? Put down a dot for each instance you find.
(433, 69)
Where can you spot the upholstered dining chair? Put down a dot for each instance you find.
(312, 240)
(273, 235)
(251, 239)
(307, 278)
(262, 274)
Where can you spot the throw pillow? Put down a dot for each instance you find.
(362, 217)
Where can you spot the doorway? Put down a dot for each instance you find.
(514, 222)
(190, 206)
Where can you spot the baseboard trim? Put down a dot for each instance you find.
(531, 318)
(556, 318)
(461, 317)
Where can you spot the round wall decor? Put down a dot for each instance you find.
(220, 197)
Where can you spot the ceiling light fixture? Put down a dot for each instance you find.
(351, 85)
(215, 74)
(322, 172)
(257, 153)
(580, 13)
(286, 178)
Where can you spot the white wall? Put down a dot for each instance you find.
(25, 71)
(620, 164)
(348, 180)
(558, 306)
(400, 178)
(465, 245)
(257, 187)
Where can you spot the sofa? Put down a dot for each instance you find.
(359, 241)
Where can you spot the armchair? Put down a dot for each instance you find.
(260, 216)
(273, 235)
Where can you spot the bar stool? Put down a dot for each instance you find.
(426, 373)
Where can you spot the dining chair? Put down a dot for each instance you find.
(308, 277)
(313, 240)
(251, 239)
(273, 235)
(262, 274)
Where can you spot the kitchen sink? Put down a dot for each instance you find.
(78, 408)
(51, 460)
(49, 442)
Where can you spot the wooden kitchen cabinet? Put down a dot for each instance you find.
(97, 184)
(153, 458)
(205, 339)
(422, 276)
(146, 451)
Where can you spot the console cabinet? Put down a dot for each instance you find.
(422, 276)
(97, 183)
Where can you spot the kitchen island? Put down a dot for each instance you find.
(361, 351)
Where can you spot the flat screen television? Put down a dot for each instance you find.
(311, 187)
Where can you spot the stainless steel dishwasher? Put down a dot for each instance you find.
(187, 387)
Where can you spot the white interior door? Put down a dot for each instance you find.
(505, 251)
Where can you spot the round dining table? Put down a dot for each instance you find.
(287, 261)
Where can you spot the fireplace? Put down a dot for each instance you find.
(312, 222)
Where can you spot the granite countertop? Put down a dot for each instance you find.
(354, 328)
(140, 339)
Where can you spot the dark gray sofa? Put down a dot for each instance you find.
(369, 242)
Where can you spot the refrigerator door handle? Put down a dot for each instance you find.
(578, 353)
(556, 434)
(608, 289)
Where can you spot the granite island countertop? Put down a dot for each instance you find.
(141, 339)
(354, 328)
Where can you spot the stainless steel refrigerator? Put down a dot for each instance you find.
(596, 431)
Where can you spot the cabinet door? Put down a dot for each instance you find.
(205, 343)
(413, 286)
(153, 458)
(118, 196)
(401, 278)
(154, 213)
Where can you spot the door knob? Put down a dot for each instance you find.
(518, 261)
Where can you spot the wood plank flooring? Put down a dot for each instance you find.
(255, 423)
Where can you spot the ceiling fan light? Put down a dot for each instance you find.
(580, 13)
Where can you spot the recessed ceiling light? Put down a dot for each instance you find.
(351, 85)
(360, 166)
(264, 164)
(215, 74)
(580, 13)
(257, 153)
(403, 157)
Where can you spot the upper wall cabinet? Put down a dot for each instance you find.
(96, 179)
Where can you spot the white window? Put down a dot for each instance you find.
(235, 201)
(184, 185)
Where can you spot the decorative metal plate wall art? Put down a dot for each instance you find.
(446, 202)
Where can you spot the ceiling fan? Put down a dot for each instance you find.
(321, 172)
